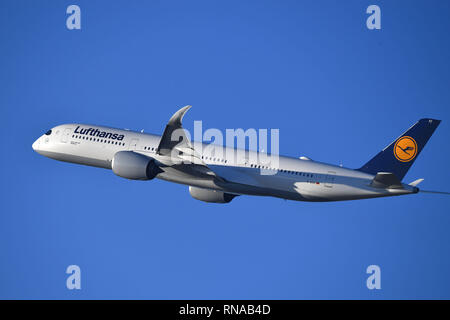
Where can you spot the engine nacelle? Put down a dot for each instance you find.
(135, 166)
(208, 195)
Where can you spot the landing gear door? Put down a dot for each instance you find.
(133, 144)
(329, 179)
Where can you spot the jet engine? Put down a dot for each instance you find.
(208, 195)
(135, 166)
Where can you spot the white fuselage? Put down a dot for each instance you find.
(294, 179)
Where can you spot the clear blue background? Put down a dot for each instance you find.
(337, 91)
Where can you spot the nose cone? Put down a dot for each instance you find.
(35, 145)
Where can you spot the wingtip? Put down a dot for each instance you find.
(178, 116)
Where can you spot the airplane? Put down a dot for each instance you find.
(219, 179)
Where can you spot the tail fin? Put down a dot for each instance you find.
(399, 156)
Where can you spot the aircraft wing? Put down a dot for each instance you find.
(174, 134)
(176, 150)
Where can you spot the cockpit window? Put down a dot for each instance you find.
(49, 132)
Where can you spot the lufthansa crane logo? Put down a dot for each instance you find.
(405, 149)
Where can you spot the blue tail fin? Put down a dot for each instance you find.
(399, 156)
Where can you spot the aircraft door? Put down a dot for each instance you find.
(329, 179)
(65, 135)
(133, 144)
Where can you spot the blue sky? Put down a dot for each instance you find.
(337, 91)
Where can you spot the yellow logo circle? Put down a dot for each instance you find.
(405, 149)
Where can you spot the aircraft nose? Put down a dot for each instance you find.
(35, 145)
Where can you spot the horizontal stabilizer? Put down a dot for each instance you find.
(436, 192)
(386, 180)
(416, 182)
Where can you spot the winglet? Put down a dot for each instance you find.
(177, 117)
(166, 143)
(416, 182)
